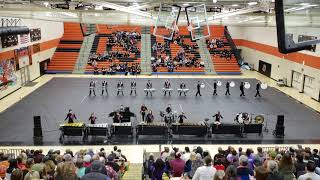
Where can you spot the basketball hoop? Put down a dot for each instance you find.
(190, 27)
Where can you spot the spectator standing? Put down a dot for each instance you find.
(205, 172)
(311, 166)
(177, 165)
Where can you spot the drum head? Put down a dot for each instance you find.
(232, 84)
(247, 85)
(264, 86)
(202, 85)
(219, 83)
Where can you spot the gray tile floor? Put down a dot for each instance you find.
(53, 100)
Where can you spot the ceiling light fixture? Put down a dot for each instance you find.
(252, 3)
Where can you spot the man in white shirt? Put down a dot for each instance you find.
(205, 172)
(310, 168)
(186, 155)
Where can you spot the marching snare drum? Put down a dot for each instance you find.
(247, 85)
(202, 85)
(219, 83)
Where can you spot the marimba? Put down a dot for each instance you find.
(198, 129)
(151, 129)
(71, 129)
(121, 129)
(97, 129)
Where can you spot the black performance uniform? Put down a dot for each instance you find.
(92, 87)
(133, 86)
(70, 117)
(167, 85)
(218, 117)
(104, 87)
(242, 89)
(120, 88)
(198, 89)
(215, 88)
(183, 86)
(92, 119)
(181, 117)
(228, 88)
(143, 110)
(258, 90)
(149, 86)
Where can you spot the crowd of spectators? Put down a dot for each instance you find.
(235, 164)
(84, 165)
(185, 57)
(213, 44)
(128, 41)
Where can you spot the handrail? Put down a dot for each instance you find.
(234, 48)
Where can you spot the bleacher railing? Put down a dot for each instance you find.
(12, 153)
(234, 48)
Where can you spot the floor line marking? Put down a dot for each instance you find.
(83, 99)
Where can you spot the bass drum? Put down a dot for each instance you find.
(243, 118)
(259, 119)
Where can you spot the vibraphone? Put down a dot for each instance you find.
(121, 129)
(72, 129)
(152, 129)
(97, 129)
(198, 129)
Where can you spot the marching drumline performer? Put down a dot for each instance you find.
(183, 88)
(149, 87)
(258, 86)
(169, 109)
(242, 89)
(215, 88)
(92, 86)
(120, 88)
(227, 88)
(133, 85)
(167, 86)
(198, 89)
(92, 118)
(104, 87)
(70, 116)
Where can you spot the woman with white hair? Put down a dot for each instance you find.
(196, 161)
(273, 171)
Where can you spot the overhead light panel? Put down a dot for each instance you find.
(252, 3)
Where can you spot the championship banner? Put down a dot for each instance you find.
(35, 34)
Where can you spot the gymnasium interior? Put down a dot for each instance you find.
(152, 89)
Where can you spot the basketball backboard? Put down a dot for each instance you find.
(166, 23)
(296, 24)
(197, 22)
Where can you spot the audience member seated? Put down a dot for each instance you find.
(85, 164)
(231, 164)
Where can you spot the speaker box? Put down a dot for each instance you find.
(279, 131)
(37, 132)
(37, 121)
(280, 120)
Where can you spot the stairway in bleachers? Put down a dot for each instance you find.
(146, 50)
(84, 54)
(67, 52)
(222, 65)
